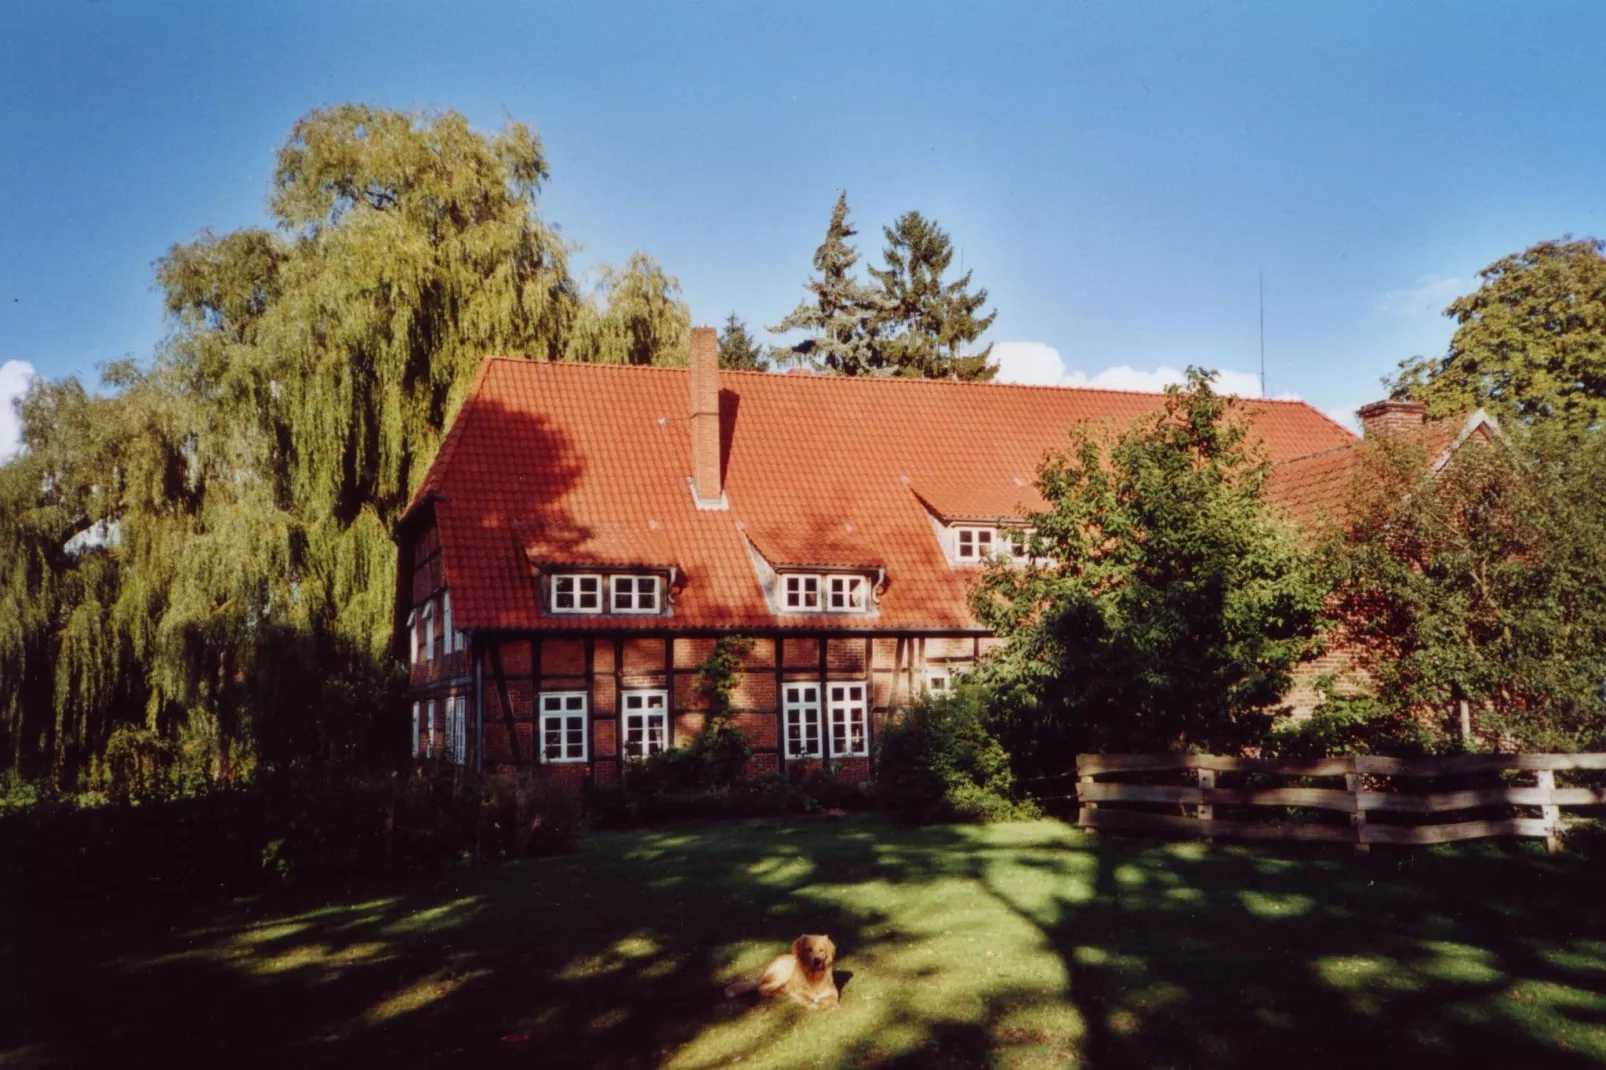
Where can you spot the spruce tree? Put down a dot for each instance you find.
(841, 315)
(738, 351)
(926, 324)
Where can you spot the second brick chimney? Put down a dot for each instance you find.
(705, 484)
(1390, 417)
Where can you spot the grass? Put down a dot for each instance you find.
(1015, 945)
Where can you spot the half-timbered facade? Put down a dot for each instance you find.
(586, 533)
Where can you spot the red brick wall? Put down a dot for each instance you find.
(559, 663)
(801, 653)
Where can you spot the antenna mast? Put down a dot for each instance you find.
(1262, 276)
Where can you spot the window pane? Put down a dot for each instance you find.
(655, 701)
(563, 592)
(575, 702)
(647, 593)
(552, 736)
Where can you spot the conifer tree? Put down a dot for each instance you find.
(738, 351)
(927, 323)
(841, 314)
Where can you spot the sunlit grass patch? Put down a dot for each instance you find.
(1024, 945)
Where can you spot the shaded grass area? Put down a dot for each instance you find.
(1026, 944)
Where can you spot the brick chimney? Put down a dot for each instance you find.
(705, 419)
(1391, 417)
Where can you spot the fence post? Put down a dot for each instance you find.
(1086, 808)
(1357, 817)
(1207, 811)
(1546, 780)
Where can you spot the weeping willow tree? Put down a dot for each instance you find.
(635, 316)
(204, 567)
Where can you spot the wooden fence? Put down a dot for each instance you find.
(1391, 788)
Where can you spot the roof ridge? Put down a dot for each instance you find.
(1321, 453)
(911, 381)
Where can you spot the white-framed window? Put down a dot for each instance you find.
(412, 657)
(973, 544)
(429, 713)
(847, 594)
(576, 592)
(417, 724)
(429, 630)
(1020, 543)
(456, 729)
(850, 733)
(455, 640)
(646, 723)
(944, 678)
(634, 594)
(563, 726)
(801, 592)
(801, 705)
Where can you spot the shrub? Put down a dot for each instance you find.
(940, 762)
(295, 828)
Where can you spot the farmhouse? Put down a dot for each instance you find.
(586, 534)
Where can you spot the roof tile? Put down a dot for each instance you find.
(588, 464)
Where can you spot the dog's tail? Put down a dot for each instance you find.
(740, 988)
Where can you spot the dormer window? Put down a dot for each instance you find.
(974, 544)
(634, 594)
(576, 593)
(847, 594)
(591, 592)
(814, 592)
(802, 593)
(1020, 543)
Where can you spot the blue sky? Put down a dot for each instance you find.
(1115, 174)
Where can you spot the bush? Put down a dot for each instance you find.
(940, 762)
(292, 829)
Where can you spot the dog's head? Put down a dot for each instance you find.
(816, 953)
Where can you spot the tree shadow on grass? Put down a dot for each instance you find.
(1027, 945)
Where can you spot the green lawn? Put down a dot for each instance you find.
(1016, 945)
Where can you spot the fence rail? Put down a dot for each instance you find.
(1369, 787)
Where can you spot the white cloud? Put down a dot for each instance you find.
(15, 375)
(1039, 364)
(1428, 297)
(1345, 415)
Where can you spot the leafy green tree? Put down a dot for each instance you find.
(1167, 606)
(636, 316)
(1483, 583)
(238, 599)
(841, 315)
(737, 350)
(1531, 341)
(927, 323)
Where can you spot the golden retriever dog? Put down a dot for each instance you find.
(803, 975)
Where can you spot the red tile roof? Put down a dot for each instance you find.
(588, 464)
(1314, 491)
